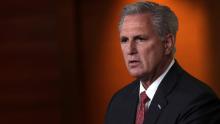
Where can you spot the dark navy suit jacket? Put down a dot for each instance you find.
(179, 99)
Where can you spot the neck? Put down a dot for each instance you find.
(162, 66)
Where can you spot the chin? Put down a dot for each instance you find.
(136, 74)
(139, 73)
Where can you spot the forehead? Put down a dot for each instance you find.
(137, 17)
(136, 22)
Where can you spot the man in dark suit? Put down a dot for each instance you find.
(163, 92)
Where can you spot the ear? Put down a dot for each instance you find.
(169, 44)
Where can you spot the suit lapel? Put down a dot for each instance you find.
(156, 107)
(159, 101)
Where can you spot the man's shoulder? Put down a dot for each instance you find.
(199, 102)
(190, 84)
(190, 92)
(179, 84)
(187, 89)
(128, 89)
(122, 97)
(190, 100)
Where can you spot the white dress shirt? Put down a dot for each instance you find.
(151, 90)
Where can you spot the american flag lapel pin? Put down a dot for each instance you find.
(159, 106)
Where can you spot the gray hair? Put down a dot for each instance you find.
(163, 18)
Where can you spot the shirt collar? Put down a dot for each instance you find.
(151, 90)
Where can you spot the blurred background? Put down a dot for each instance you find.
(61, 60)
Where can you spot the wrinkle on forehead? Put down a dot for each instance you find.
(136, 23)
(137, 16)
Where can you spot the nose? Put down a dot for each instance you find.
(131, 48)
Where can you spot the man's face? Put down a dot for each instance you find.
(142, 48)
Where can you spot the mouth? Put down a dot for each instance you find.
(133, 63)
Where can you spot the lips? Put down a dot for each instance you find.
(133, 63)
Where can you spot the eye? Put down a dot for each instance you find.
(124, 39)
(140, 38)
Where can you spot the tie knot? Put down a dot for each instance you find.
(144, 98)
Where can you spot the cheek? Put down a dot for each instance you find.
(151, 53)
(147, 50)
(156, 48)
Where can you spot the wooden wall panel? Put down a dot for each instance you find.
(33, 88)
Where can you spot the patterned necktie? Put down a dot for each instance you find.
(141, 108)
